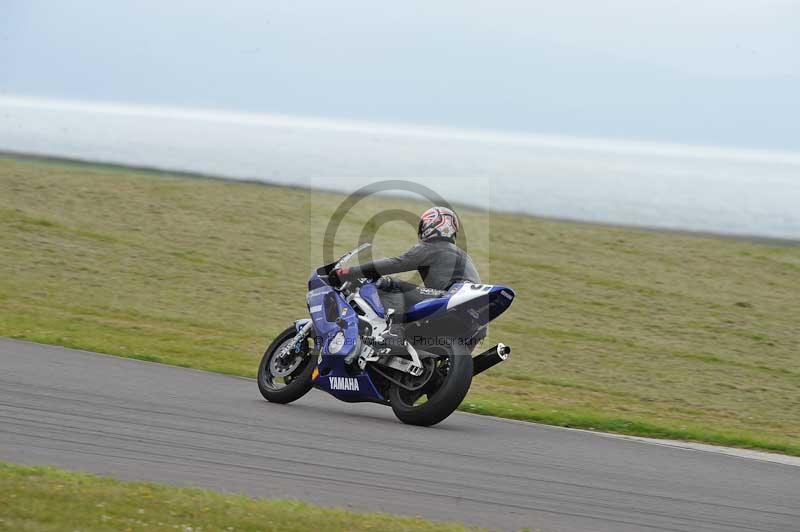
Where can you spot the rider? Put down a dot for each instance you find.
(436, 257)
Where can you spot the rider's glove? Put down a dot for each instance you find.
(340, 276)
(385, 283)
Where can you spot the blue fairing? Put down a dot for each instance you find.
(427, 309)
(341, 382)
(341, 313)
(332, 315)
(336, 380)
(370, 294)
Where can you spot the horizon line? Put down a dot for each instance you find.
(584, 143)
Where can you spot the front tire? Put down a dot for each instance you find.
(441, 401)
(286, 381)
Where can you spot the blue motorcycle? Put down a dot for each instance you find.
(346, 347)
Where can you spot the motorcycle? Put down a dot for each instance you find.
(345, 348)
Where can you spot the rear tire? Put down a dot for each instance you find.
(300, 382)
(443, 401)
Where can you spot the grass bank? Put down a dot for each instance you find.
(630, 331)
(48, 499)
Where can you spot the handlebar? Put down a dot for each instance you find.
(336, 283)
(345, 288)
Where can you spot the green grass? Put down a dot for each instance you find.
(631, 331)
(46, 499)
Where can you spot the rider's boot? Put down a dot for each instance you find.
(392, 339)
(395, 337)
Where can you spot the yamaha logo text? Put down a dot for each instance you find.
(344, 384)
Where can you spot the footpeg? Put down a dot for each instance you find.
(368, 354)
(416, 368)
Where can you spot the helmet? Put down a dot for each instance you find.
(438, 222)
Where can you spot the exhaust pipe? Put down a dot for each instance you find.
(490, 358)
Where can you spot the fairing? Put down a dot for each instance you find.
(465, 305)
(333, 377)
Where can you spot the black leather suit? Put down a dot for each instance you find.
(439, 262)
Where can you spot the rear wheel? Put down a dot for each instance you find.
(285, 376)
(431, 398)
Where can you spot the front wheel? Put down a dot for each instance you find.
(448, 377)
(285, 376)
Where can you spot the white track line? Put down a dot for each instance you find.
(736, 452)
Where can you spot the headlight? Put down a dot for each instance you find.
(336, 344)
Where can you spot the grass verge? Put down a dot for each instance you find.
(49, 499)
(615, 329)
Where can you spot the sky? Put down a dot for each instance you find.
(717, 73)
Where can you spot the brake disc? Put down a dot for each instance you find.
(279, 366)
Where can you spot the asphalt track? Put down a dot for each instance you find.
(143, 421)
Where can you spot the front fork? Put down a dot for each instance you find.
(302, 333)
